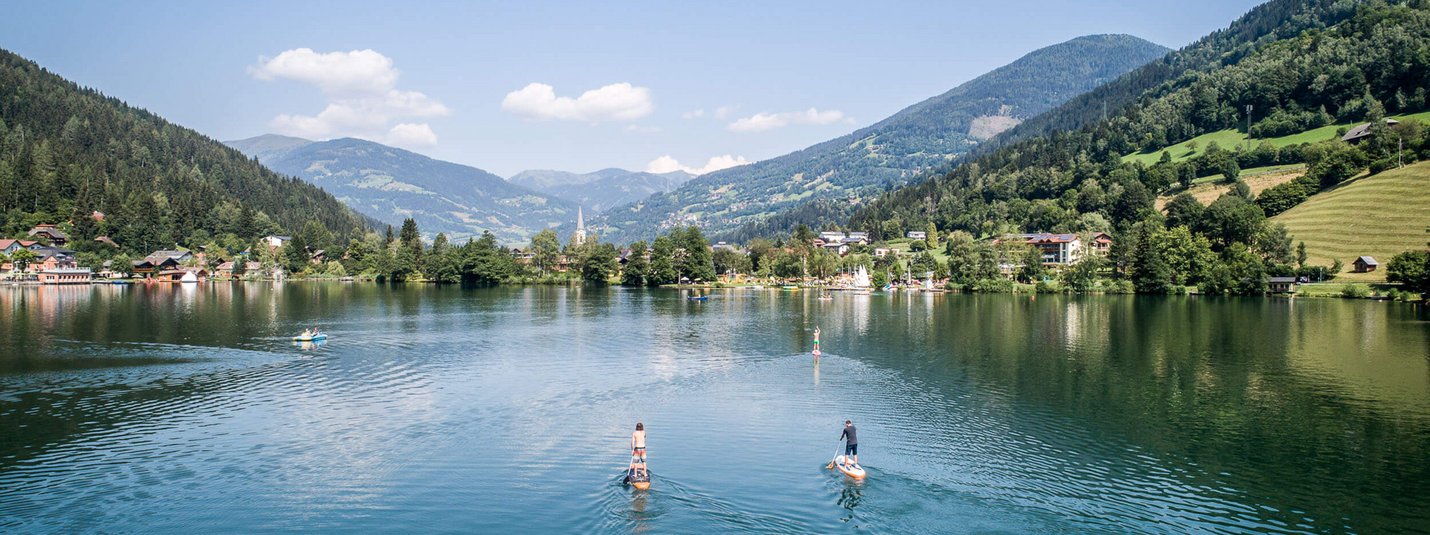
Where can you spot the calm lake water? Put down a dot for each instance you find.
(182, 410)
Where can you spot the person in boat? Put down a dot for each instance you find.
(816, 338)
(851, 442)
(307, 333)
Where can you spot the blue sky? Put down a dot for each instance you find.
(500, 85)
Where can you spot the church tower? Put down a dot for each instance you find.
(580, 236)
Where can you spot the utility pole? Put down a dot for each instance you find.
(1248, 127)
(1399, 151)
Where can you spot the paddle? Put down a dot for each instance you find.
(831, 461)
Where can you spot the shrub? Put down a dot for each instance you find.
(1355, 291)
(997, 285)
(1121, 286)
(1047, 287)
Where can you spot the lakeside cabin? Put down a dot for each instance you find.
(1281, 285)
(49, 232)
(1364, 264)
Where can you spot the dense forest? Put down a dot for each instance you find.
(921, 137)
(1298, 62)
(67, 152)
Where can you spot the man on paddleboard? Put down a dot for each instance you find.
(638, 442)
(816, 339)
(851, 442)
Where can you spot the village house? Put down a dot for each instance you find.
(1281, 285)
(8, 246)
(177, 274)
(837, 248)
(1364, 264)
(1057, 249)
(225, 269)
(318, 257)
(1360, 132)
(275, 242)
(65, 276)
(916, 235)
(56, 237)
(1101, 244)
(52, 258)
(105, 240)
(161, 261)
(861, 238)
(832, 236)
(880, 252)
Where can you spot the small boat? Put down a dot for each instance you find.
(315, 337)
(699, 298)
(826, 297)
(789, 287)
(843, 464)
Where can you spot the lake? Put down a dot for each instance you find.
(173, 409)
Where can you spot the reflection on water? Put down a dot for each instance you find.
(174, 408)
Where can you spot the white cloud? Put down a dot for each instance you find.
(723, 112)
(615, 102)
(667, 163)
(693, 114)
(761, 122)
(411, 136)
(643, 128)
(363, 100)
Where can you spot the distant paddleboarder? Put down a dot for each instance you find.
(816, 341)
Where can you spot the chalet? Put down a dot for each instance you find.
(226, 269)
(1364, 264)
(1057, 249)
(65, 276)
(319, 256)
(861, 238)
(56, 237)
(104, 240)
(916, 235)
(1281, 285)
(161, 261)
(832, 236)
(53, 258)
(881, 252)
(1361, 132)
(8, 246)
(722, 246)
(1101, 244)
(523, 257)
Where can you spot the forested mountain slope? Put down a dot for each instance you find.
(1307, 63)
(924, 136)
(67, 151)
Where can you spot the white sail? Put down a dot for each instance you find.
(861, 278)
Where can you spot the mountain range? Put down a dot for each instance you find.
(391, 184)
(922, 137)
(600, 190)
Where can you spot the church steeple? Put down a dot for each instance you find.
(580, 236)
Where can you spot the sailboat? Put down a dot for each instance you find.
(861, 280)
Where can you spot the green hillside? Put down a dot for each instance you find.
(1229, 138)
(1378, 215)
